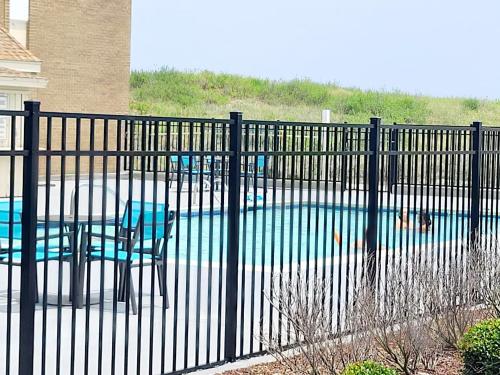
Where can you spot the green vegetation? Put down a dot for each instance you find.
(480, 348)
(471, 104)
(205, 94)
(368, 368)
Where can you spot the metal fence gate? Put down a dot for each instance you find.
(153, 245)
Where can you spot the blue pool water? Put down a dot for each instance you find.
(298, 233)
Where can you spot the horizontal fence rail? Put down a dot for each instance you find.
(133, 244)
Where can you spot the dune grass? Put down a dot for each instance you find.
(169, 92)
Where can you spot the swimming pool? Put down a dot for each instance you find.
(297, 233)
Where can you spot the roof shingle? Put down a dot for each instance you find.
(12, 50)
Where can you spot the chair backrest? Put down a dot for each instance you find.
(184, 161)
(162, 242)
(252, 166)
(17, 203)
(5, 228)
(261, 161)
(131, 217)
(16, 229)
(147, 221)
(99, 195)
(5, 218)
(153, 221)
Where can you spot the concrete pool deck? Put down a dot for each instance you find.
(184, 311)
(186, 316)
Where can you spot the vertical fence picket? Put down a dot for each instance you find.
(393, 159)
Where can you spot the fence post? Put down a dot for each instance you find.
(233, 238)
(393, 159)
(373, 176)
(28, 239)
(476, 180)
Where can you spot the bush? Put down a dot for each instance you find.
(368, 368)
(486, 254)
(471, 104)
(302, 303)
(396, 107)
(396, 322)
(448, 300)
(296, 92)
(480, 348)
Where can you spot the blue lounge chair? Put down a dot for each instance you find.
(255, 169)
(144, 238)
(181, 166)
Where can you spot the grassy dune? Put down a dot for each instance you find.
(206, 94)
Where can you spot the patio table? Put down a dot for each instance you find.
(74, 224)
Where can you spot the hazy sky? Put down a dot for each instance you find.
(436, 47)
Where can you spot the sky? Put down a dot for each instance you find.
(431, 47)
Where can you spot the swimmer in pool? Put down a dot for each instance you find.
(358, 245)
(403, 221)
(424, 222)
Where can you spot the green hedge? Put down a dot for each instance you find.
(480, 348)
(368, 368)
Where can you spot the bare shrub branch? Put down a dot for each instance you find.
(449, 298)
(396, 316)
(406, 319)
(303, 306)
(486, 253)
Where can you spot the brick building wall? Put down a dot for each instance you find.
(84, 46)
(4, 14)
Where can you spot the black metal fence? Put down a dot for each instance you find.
(155, 245)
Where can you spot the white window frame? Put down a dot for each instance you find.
(13, 103)
(4, 121)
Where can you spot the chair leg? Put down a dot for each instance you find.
(165, 290)
(81, 279)
(132, 293)
(71, 275)
(250, 182)
(163, 285)
(81, 270)
(36, 284)
(159, 270)
(182, 180)
(171, 180)
(121, 284)
(127, 272)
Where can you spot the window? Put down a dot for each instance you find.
(4, 104)
(10, 101)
